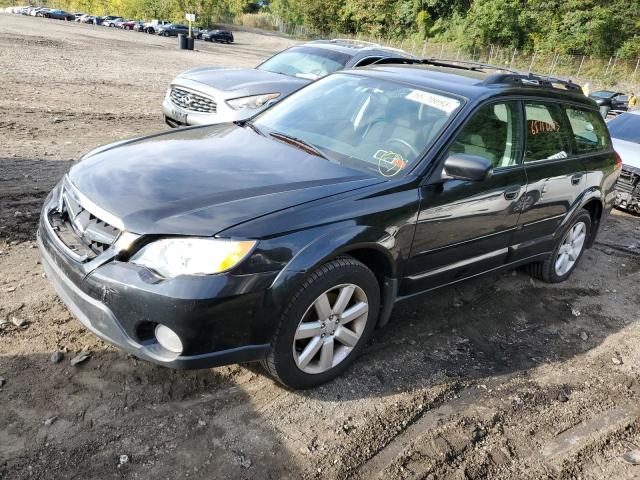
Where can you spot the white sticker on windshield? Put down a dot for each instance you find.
(445, 104)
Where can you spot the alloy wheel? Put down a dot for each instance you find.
(330, 328)
(570, 248)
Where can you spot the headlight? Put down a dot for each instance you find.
(254, 101)
(171, 257)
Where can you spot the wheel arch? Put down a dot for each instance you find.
(360, 242)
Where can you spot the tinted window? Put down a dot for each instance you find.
(493, 133)
(306, 62)
(588, 129)
(546, 137)
(625, 127)
(602, 94)
(361, 122)
(367, 61)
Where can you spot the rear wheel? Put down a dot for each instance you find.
(325, 325)
(567, 253)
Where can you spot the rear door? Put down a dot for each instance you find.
(465, 228)
(556, 178)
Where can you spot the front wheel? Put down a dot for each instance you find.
(325, 325)
(567, 253)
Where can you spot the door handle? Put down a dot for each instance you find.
(575, 180)
(512, 193)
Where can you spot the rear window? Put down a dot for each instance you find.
(625, 127)
(546, 138)
(588, 129)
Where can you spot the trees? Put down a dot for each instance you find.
(601, 28)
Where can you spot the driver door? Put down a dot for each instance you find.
(465, 227)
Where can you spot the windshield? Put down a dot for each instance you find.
(306, 62)
(362, 122)
(625, 127)
(602, 94)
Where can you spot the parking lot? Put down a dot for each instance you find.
(499, 377)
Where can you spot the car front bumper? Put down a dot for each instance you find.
(177, 116)
(219, 318)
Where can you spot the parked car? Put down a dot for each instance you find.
(222, 36)
(59, 15)
(625, 134)
(172, 30)
(92, 19)
(111, 22)
(129, 24)
(214, 94)
(152, 26)
(288, 238)
(139, 26)
(610, 99)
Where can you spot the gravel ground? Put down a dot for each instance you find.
(499, 377)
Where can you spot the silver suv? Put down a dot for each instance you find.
(215, 94)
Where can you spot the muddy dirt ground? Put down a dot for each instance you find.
(499, 377)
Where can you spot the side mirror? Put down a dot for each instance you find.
(466, 167)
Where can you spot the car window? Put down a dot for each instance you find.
(306, 62)
(492, 133)
(588, 129)
(602, 94)
(367, 61)
(361, 122)
(625, 127)
(546, 137)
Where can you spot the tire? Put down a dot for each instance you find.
(547, 270)
(329, 281)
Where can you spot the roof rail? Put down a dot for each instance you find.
(352, 41)
(358, 43)
(509, 75)
(532, 79)
(440, 62)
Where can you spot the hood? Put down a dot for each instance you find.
(249, 79)
(629, 152)
(202, 180)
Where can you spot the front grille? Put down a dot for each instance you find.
(80, 230)
(192, 101)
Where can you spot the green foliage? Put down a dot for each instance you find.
(599, 28)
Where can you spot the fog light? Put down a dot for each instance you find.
(168, 339)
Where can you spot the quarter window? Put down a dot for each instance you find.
(588, 129)
(545, 133)
(493, 133)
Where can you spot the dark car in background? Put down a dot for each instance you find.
(625, 134)
(223, 36)
(610, 99)
(131, 24)
(215, 94)
(59, 15)
(172, 30)
(288, 238)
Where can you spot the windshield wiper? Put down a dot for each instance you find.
(306, 146)
(248, 123)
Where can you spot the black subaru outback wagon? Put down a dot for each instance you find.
(288, 238)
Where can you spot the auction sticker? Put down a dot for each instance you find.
(440, 102)
(389, 163)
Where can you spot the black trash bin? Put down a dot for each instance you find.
(182, 41)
